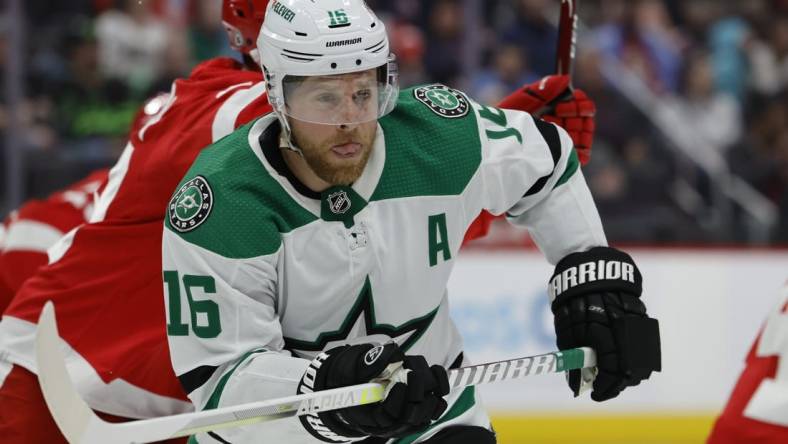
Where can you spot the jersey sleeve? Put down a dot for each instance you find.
(221, 258)
(37, 226)
(531, 172)
(223, 329)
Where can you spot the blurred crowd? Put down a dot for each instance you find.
(692, 95)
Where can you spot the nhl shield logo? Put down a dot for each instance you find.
(339, 202)
(191, 205)
(443, 101)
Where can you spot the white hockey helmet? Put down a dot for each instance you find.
(330, 40)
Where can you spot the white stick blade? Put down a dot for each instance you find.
(71, 414)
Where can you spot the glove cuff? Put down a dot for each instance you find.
(325, 426)
(599, 269)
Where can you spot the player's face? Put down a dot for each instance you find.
(337, 153)
(333, 100)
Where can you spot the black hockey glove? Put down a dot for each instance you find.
(596, 303)
(408, 408)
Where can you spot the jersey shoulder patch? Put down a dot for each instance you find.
(443, 101)
(191, 205)
(229, 204)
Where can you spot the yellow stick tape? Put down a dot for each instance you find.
(372, 395)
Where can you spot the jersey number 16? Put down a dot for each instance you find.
(204, 314)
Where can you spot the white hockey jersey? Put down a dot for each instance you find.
(259, 277)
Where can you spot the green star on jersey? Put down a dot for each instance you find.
(364, 311)
(191, 205)
(443, 101)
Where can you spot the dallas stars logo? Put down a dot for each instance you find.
(191, 205)
(361, 320)
(443, 101)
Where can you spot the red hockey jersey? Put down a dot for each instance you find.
(105, 277)
(37, 225)
(757, 410)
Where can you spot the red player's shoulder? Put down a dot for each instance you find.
(221, 68)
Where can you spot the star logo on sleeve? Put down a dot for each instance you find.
(191, 205)
(443, 101)
(361, 321)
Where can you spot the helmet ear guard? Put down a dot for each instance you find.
(392, 78)
(277, 101)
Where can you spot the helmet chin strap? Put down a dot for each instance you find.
(286, 138)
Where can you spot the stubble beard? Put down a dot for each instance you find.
(321, 160)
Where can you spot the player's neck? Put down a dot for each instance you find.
(298, 166)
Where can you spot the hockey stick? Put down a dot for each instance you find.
(567, 38)
(80, 425)
(565, 52)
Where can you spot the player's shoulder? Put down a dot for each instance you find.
(213, 81)
(218, 74)
(219, 65)
(228, 154)
(217, 96)
(432, 137)
(229, 203)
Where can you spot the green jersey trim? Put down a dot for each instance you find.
(249, 211)
(465, 402)
(213, 401)
(364, 307)
(572, 165)
(414, 152)
(549, 132)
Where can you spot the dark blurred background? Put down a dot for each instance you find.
(692, 95)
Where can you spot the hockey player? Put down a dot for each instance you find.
(757, 411)
(311, 248)
(36, 226)
(105, 278)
